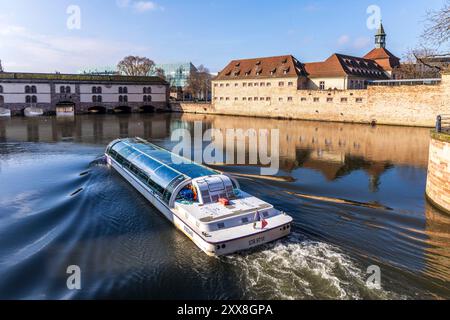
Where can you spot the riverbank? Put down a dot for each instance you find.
(406, 105)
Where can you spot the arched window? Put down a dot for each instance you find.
(120, 98)
(28, 99)
(145, 90)
(94, 99)
(149, 90)
(27, 89)
(125, 90)
(2, 100)
(99, 89)
(33, 89)
(145, 98)
(94, 89)
(62, 89)
(68, 89)
(120, 90)
(99, 99)
(1, 89)
(149, 98)
(125, 98)
(34, 99)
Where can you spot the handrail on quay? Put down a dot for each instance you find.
(405, 82)
(443, 123)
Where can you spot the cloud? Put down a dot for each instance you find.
(25, 50)
(138, 6)
(343, 40)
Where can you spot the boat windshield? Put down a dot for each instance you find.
(160, 169)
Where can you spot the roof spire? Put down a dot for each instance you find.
(380, 37)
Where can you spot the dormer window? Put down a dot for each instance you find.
(273, 71)
(284, 61)
(258, 63)
(237, 64)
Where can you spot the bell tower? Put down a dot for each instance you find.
(380, 37)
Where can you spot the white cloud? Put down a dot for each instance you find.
(143, 6)
(138, 6)
(25, 50)
(343, 40)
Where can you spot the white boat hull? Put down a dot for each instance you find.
(210, 248)
(5, 112)
(33, 112)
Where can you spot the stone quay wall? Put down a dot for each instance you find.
(438, 182)
(415, 105)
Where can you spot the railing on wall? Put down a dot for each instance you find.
(443, 123)
(405, 82)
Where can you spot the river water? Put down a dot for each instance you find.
(356, 194)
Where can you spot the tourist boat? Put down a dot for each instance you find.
(206, 205)
(33, 112)
(5, 112)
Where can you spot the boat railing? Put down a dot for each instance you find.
(443, 123)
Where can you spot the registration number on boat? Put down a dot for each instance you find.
(256, 241)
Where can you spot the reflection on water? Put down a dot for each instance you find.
(356, 194)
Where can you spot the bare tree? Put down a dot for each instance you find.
(418, 64)
(135, 66)
(159, 72)
(437, 30)
(199, 83)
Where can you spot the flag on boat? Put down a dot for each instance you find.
(258, 218)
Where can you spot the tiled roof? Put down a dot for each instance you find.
(80, 77)
(271, 67)
(384, 58)
(339, 65)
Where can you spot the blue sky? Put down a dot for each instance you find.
(34, 34)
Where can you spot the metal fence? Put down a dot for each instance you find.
(443, 123)
(405, 82)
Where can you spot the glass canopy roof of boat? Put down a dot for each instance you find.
(157, 162)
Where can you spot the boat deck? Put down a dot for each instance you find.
(216, 212)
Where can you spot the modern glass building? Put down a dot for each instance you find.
(177, 74)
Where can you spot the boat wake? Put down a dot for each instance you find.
(298, 268)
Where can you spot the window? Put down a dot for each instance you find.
(281, 84)
(269, 84)
(290, 99)
(33, 99)
(221, 84)
(359, 100)
(329, 99)
(267, 98)
(262, 84)
(99, 99)
(290, 84)
(1, 89)
(99, 89)
(94, 99)
(120, 90)
(147, 90)
(250, 84)
(256, 99)
(125, 90)
(250, 99)
(322, 85)
(236, 84)
(221, 225)
(221, 98)
(227, 98)
(94, 90)
(316, 99)
(236, 99)
(147, 98)
(261, 99)
(244, 98)
(68, 90)
(120, 98)
(227, 85)
(303, 99)
(27, 89)
(62, 89)
(33, 89)
(256, 84)
(343, 100)
(215, 85)
(244, 84)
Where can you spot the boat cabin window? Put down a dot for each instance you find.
(188, 194)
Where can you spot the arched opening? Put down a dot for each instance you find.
(147, 109)
(97, 110)
(122, 110)
(65, 109)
